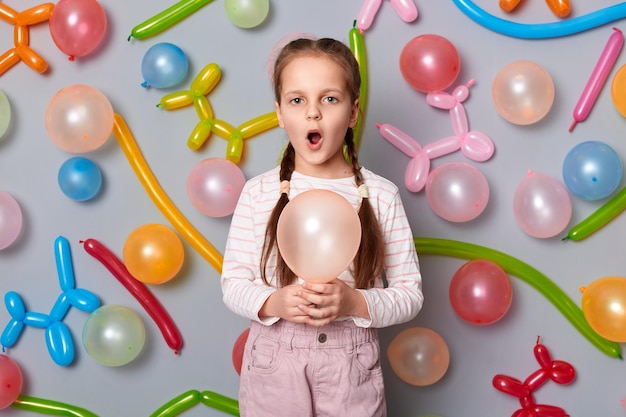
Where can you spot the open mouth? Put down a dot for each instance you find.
(314, 137)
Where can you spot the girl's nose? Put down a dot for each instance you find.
(313, 113)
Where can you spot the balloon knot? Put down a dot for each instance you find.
(71, 58)
(144, 84)
(581, 288)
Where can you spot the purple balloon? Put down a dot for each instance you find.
(10, 219)
(214, 186)
(542, 205)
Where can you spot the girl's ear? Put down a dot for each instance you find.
(354, 114)
(278, 114)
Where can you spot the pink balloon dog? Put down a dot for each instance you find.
(406, 9)
(475, 145)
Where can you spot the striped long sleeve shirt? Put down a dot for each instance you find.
(395, 299)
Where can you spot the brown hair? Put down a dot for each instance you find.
(369, 260)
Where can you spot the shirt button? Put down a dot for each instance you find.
(322, 338)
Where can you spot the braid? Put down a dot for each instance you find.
(369, 260)
(284, 274)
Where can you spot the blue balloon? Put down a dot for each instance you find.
(542, 30)
(164, 65)
(80, 178)
(592, 170)
(60, 343)
(63, 259)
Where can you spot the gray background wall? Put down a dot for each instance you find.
(29, 163)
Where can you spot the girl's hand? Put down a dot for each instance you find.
(326, 302)
(285, 303)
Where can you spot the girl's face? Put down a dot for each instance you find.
(316, 110)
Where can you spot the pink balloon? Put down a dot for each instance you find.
(406, 9)
(11, 381)
(10, 219)
(480, 292)
(79, 118)
(430, 63)
(419, 356)
(214, 186)
(523, 92)
(541, 205)
(457, 191)
(77, 26)
(318, 235)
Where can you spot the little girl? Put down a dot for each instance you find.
(313, 348)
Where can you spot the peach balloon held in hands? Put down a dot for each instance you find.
(318, 235)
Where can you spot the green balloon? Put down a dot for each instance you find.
(513, 266)
(114, 335)
(247, 13)
(598, 219)
(168, 17)
(5, 114)
(42, 406)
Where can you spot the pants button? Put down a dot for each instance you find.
(322, 338)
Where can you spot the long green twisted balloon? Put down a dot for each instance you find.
(513, 266)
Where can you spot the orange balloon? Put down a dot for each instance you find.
(617, 90)
(508, 5)
(318, 235)
(419, 356)
(32, 58)
(604, 307)
(561, 8)
(8, 59)
(153, 253)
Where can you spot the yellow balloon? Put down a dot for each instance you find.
(153, 253)
(604, 307)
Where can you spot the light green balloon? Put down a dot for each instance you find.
(5, 114)
(114, 335)
(247, 13)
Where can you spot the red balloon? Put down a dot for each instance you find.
(480, 292)
(510, 385)
(11, 381)
(77, 26)
(238, 349)
(140, 291)
(430, 63)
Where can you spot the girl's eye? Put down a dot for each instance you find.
(330, 99)
(296, 100)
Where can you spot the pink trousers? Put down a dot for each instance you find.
(296, 370)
